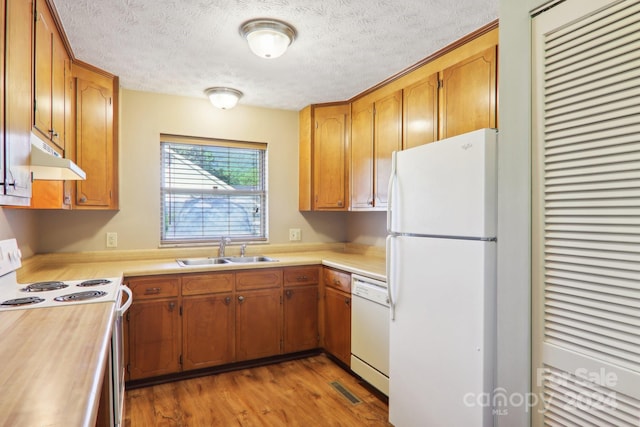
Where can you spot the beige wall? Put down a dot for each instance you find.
(143, 117)
(367, 228)
(19, 224)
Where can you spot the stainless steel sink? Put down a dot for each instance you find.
(201, 261)
(223, 260)
(245, 259)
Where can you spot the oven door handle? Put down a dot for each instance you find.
(127, 303)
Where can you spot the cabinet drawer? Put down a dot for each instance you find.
(259, 279)
(301, 275)
(337, 279)
(154, 287)
(199, 284)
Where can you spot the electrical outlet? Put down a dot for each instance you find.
(294, 234)
(112, 240)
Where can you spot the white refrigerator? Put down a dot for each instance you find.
(441, 262)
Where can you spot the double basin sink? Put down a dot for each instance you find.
(187, 262)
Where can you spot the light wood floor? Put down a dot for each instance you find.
(294, 393)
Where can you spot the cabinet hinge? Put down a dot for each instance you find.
(127, 316)
(180, 359)
(440, 83)
(180, 310)
(129, 367)
(109, 101)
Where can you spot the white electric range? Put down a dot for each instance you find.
(18, 296)
(51, 294)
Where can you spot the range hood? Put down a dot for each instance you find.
(48, 165)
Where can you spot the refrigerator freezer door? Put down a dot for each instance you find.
(443, 334)
(447, 188)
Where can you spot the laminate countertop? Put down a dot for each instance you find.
(53, 358)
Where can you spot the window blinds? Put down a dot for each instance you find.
(212, 189)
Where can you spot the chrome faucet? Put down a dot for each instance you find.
(224, 241)
(243, 249)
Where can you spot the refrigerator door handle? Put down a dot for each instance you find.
(392, 181)
(390, 279)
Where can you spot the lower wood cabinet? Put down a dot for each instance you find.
(208, 320)
(301, 308)
(154, 327)
(154, 332)
(258, 323)
(337, 314)
(193, 321)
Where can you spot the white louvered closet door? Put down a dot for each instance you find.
(586, 214)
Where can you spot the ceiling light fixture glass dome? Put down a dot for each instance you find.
(268, 38)
(224, 98)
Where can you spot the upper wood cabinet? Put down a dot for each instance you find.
(324, 143)
(16, 24)
(51, 73)
(469, 94)
(452, 93)
(376, 131)
(96, 137)
(420, 112)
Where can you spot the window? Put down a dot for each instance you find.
(211, 189)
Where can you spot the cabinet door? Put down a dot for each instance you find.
(387, 139)
(94, 144)
(208, 330)
(60, 74)
(258, 323)
(420, 112)
(17, 93)
(154, 334)
(43, 68)
(362, 156)
(300, 318)
(469, 94)
(330, 144)
(337, 328)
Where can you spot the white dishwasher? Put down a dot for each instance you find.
(370, 331)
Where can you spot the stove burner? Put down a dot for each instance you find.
(94, 282)
(80, 296)
(22, 301)
(44, 286)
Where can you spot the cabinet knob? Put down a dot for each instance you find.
(337, 282)
(151, 291)
(83, 199)
(347, 301)
(340, 203)
(227, 300)
(240, 298)
(289, 293)
(172, 305)
(301, 278)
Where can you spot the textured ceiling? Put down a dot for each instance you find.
(343, 47)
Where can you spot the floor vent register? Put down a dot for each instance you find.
(345, 392)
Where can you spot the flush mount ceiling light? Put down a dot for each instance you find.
(224, 98)
(268, 38)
